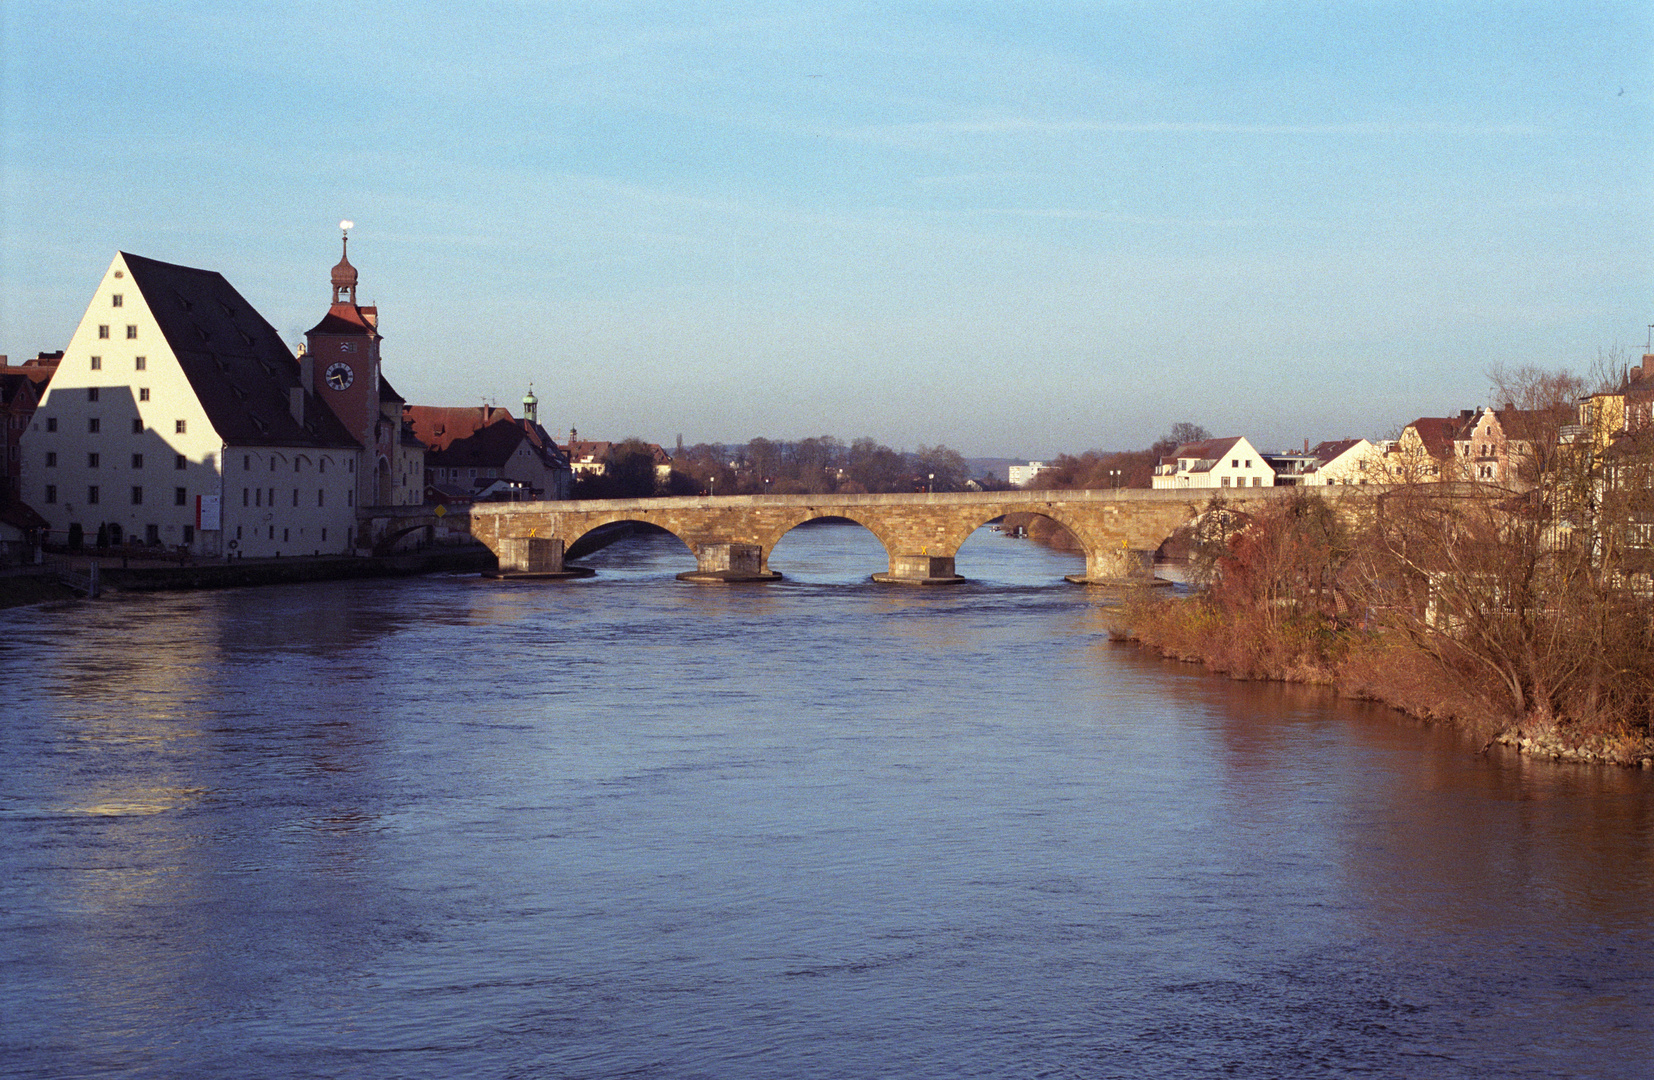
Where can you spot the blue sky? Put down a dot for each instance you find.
(1016, 229)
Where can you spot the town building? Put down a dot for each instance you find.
(484, 453)
(1214, 463)
(1018, 475)
(591, 458)
(178, 417)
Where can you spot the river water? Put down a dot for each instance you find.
(626, 826)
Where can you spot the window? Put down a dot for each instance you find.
(103, 333)
(178, 427)
(140, 363)
(92, 425)
(131, 332)
(180, 497)
(96, 363)
(181, 462)
(91, 461)
(324, 534)
(246, 463)
(137, 425)
(1225, 481)
(92, 495)
(350, 498)
(1257, 481)
(321, 466)
(238, 532)
(1235, 463)
(245, 498)
(272, 463)
(92, 393)
(137, 461)
(137, 495)
(189, 534)
(143, 393)
(51, 423)
(152, 535)
(285, 533)
(272, 532)
(321, 498)
(295, 497)
(258, 496)
(115, 300)
(51, 459)
(51, 493)
(295, 464)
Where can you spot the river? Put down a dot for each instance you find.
(626, 826)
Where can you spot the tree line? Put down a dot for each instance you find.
(821, 465)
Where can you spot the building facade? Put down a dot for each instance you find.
(177, 417)
(1214, 463)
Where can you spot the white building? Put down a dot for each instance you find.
(1214, 463)
(1346, 461)
(1018, 475)
(178, 417)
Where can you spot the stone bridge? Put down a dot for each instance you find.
(731, 537)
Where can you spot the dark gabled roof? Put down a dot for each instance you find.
(17, 388)
(1325, 452)
(235, 361)
(479, 435)
(1205, 450)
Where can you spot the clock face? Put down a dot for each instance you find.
(339, 376)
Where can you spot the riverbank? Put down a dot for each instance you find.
(34, 585)
(1369, 667)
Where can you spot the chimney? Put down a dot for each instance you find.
(1466, 414)
(1510, 406)
(307, 369)
(1306, 445)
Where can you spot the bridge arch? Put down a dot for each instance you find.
(854, 515)
(590, 524)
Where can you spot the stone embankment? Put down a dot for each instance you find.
(63, 579)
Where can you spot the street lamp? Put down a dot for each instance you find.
(931, 490)
(1116, 474)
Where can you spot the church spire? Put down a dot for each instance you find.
(344, 275)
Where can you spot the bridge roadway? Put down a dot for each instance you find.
(732, 536)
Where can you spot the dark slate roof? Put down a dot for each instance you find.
(235, 361)
(1204, 451)
(1326, 451)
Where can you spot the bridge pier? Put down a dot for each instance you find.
(1117, 567)
(922, 569)
(727, 563)
(535, 557)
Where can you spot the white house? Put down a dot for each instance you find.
(179, 417)
(1214, 463)
(1346, 461)
(1019, 475)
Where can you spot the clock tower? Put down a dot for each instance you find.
(341, 364)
